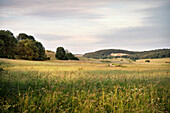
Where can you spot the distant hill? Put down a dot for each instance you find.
(50, 54)
(117, 53)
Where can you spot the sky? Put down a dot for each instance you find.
(83, 26)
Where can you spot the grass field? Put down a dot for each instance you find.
(85, 86)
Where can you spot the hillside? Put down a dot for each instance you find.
(111, 53)
(50, 54)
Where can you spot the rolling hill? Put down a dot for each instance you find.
(111, 53)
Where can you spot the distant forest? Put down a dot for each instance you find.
(106, 54)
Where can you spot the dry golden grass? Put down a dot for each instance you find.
(88, 85)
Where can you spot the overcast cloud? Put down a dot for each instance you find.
(88, 25)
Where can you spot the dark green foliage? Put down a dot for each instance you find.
(48, 58)
(160, 53)
(147, 60)
(1, 69)
(7, 44)
(105, 54)
(61, 54)
(27, 49)
(105, 61)
(30, 50)
(23, 36)
(41, 50)
(70, 56)
(24, 47)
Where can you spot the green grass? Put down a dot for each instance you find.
(66, 86)
(105, 61)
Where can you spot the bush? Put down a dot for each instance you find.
(61, 54)
(115, 65)
(70, 56)
(105, 61)
(1, 69)
(48, 58)
(147, 60)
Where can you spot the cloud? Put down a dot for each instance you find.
(83, 9)
(51, 8)
(87, 25)
(159, 16)
(154, 33)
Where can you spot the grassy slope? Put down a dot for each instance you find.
(88, 85)
(50, 54)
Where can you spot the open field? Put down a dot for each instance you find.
(88, 85)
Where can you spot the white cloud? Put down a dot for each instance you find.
(89, 24)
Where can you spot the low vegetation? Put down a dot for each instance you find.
(147, 60)
(79, 86)
(105, 61)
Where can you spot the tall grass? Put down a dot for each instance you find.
(84, 90)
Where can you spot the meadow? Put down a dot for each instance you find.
(85, 86)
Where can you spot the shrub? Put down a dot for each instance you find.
(115, 65)
(1, 69)
(147, 60)
(105, 61)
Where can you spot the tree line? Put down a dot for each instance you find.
(26, 47)
(106, 54)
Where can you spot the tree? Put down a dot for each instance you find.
(24, 47)
(27, 49)
(70, 56)
(7, 44)
(61, 54)
(1, 47)
(41, 51)
(23, 36)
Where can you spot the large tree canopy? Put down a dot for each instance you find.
(23, 36)
(27, 49)
(30, 49)
(41, 50)
(7, 44)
